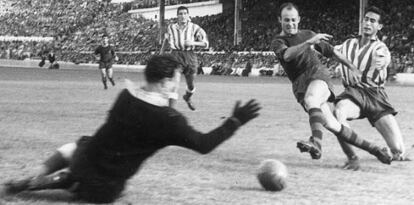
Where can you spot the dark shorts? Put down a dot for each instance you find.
(93, 185)
(105, 65)
(301, 83)
(188, 60)
(373, 102)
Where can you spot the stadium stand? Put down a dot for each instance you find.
(77, 26)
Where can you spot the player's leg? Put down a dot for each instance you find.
(173, 94)
(52, 174)
(103, 76)
(110, 72)
(189, 71)
(316, 94)
(189, 78)
(388, 127)
(345, 110)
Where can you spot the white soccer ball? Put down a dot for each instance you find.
(272, 175)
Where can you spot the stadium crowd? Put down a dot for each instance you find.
(78, 25)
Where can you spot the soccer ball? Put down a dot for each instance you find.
(272, 175)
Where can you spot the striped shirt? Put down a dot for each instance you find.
(372, 60)
(192, 32)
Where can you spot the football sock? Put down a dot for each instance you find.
(316, 121)
(348, 135)
(112, 81)
(104, 82)
(58, 180)
(347, 148)
(55, 162)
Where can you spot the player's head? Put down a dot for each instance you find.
(105, 40)
(372, 22)
(182, 14)
(289, 18)
(161, 69)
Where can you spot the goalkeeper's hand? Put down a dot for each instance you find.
(246, 112)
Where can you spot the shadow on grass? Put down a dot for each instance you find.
(46, 196)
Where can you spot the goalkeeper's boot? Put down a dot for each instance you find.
(312, 146)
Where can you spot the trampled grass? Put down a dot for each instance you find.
(41, 110)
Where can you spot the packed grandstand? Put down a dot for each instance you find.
(77, 25)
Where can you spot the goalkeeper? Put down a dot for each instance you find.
(140, 123)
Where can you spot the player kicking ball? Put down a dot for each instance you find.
(311, 82)
(139, 124)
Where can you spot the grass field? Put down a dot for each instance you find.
(43, 109)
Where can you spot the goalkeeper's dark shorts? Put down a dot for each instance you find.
(93, 185)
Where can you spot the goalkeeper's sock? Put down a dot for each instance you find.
(58, 180)
(54, 163)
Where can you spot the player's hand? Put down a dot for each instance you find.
(318, 37)
(355, 76)
(188, 43)
(246, 112)
(116, 58)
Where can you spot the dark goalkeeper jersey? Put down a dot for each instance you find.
(306, 60)
(137, 126)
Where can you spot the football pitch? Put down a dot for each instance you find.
(41, 110)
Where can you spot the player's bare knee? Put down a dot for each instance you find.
(311, 101)
(67, 150)
(340, 113)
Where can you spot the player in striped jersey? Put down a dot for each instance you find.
(183, 37)
(364, 95)
(311, 83)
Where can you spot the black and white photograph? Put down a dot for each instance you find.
(206, 102)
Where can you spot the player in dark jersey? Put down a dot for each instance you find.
(105, 55)
(311, 83)
(139, 124)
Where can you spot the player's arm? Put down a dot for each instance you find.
(381, 58)
(354, 74)
(293, 51)
(185, 136)
(114, 54)
(165, 41)
(200, 39)
(97, 54)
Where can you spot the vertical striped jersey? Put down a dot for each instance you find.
(371, 59)
(177, 36)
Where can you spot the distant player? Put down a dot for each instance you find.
(139, 124)
(105, 55)
(183, 37)
(367, 98)
(311, 82)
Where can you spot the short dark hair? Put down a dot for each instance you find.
(182, 8)
(105, 35)
(376, 10)
(160, 67)
(288, 5)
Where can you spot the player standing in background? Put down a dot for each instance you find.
(367, 98)
(311, 81)
(105, 55)
(139, 124)
(183, 37)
